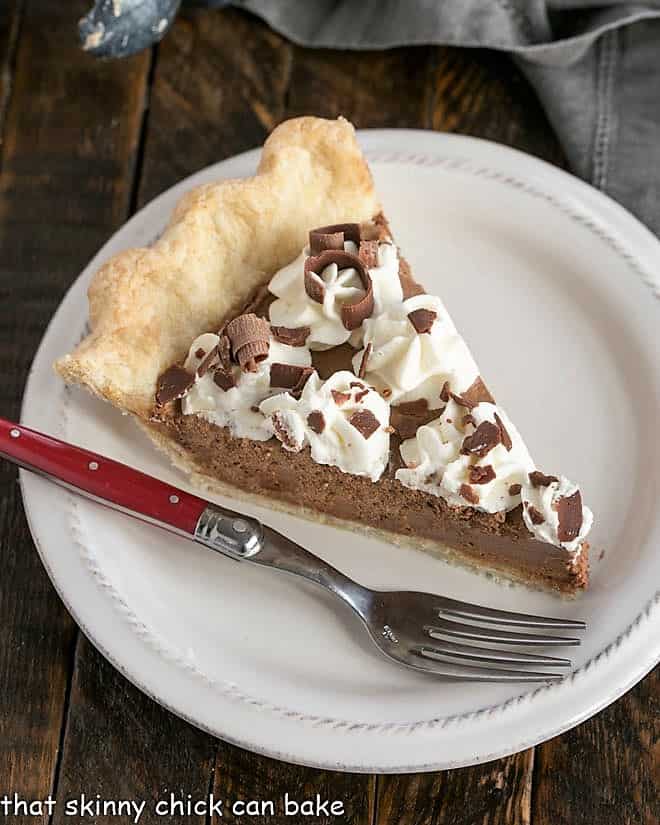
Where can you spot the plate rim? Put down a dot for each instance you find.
(374, 137)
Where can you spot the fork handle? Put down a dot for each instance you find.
(120, 487)
(123, 488)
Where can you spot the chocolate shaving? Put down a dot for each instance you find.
(224, 378)
(408, 417)
(473, 395)
(444, 392)
(469, 494)
(481, 475)
(361, 394)
(362, 371)
(368, 254)
(468, 419)
(250, 340)
(333, 237)
(291, 336)
(316, 421)
(506, 438)
(537, 479)
(515, 489)
(172, 384)
(210, 361)
(200, 353)
(569, 510)
(224, 350)
(314, 285)
(483, 439)
(365, 422)
(422, 319)
(535, 515)
(290, 377)
(340, 397)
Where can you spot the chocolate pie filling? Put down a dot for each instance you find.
(499, 542)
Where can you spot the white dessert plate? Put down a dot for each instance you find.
(555, 288)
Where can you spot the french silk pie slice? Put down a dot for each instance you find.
(274, 342)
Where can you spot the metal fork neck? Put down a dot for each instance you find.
(243, 538)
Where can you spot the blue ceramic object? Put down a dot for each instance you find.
(118, 28)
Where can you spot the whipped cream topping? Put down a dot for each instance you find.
(295, 308)
(542, 511)
(436, 465)
(237, 407)
(344, 422)
(410, 365)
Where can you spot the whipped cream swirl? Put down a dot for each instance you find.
(295, 308)
(411, 365)
(436, 465)
(237, 408)
(541, 512)
(344, 422)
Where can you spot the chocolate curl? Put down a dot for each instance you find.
(333, 237)
(352, 315)
(250, 340)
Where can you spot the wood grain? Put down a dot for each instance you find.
(481, 93)
(123, 746)
(219, 88)
(371, 89)
(497, 793)
(241, 775)
(66, 162)
(607, 770)
(10, 15)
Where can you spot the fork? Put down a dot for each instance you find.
(423, 631)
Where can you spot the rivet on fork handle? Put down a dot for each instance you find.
(227, 533)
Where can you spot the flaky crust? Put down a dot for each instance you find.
(223, 241)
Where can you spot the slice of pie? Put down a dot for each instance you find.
(273, 342)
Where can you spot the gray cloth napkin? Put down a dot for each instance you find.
(595, 67)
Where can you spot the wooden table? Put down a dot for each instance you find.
(83, 145)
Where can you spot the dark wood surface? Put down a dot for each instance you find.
(85, 143)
